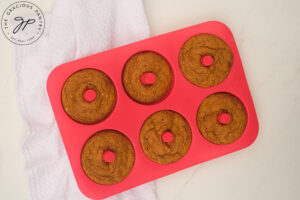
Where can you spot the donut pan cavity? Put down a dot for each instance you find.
(128, 116)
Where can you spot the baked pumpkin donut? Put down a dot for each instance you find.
(103, 172)
(208, 120)
(151, 137)
(147, 62)
(194, 49)
(81, 110)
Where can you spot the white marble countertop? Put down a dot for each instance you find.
(267, 34)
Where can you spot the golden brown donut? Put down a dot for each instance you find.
(139, 64)
(151, 137)
(190, 60)
(207, 118)
(96, 168)
(77, 107)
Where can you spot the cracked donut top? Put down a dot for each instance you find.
(152, 142)
(209, 124)
(101, 171)
(201, 74)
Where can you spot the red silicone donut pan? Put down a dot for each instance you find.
(128, 116)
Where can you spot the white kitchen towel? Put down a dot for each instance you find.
(74, 29)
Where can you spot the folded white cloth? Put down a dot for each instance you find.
(74, 29)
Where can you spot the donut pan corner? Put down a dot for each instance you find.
(128, 116)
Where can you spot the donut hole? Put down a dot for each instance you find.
(167, 137)
(224, 118)
(89, 95)
(206, 60)
(147, 78)
(108, 156)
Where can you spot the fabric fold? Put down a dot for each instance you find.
(74, 29)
